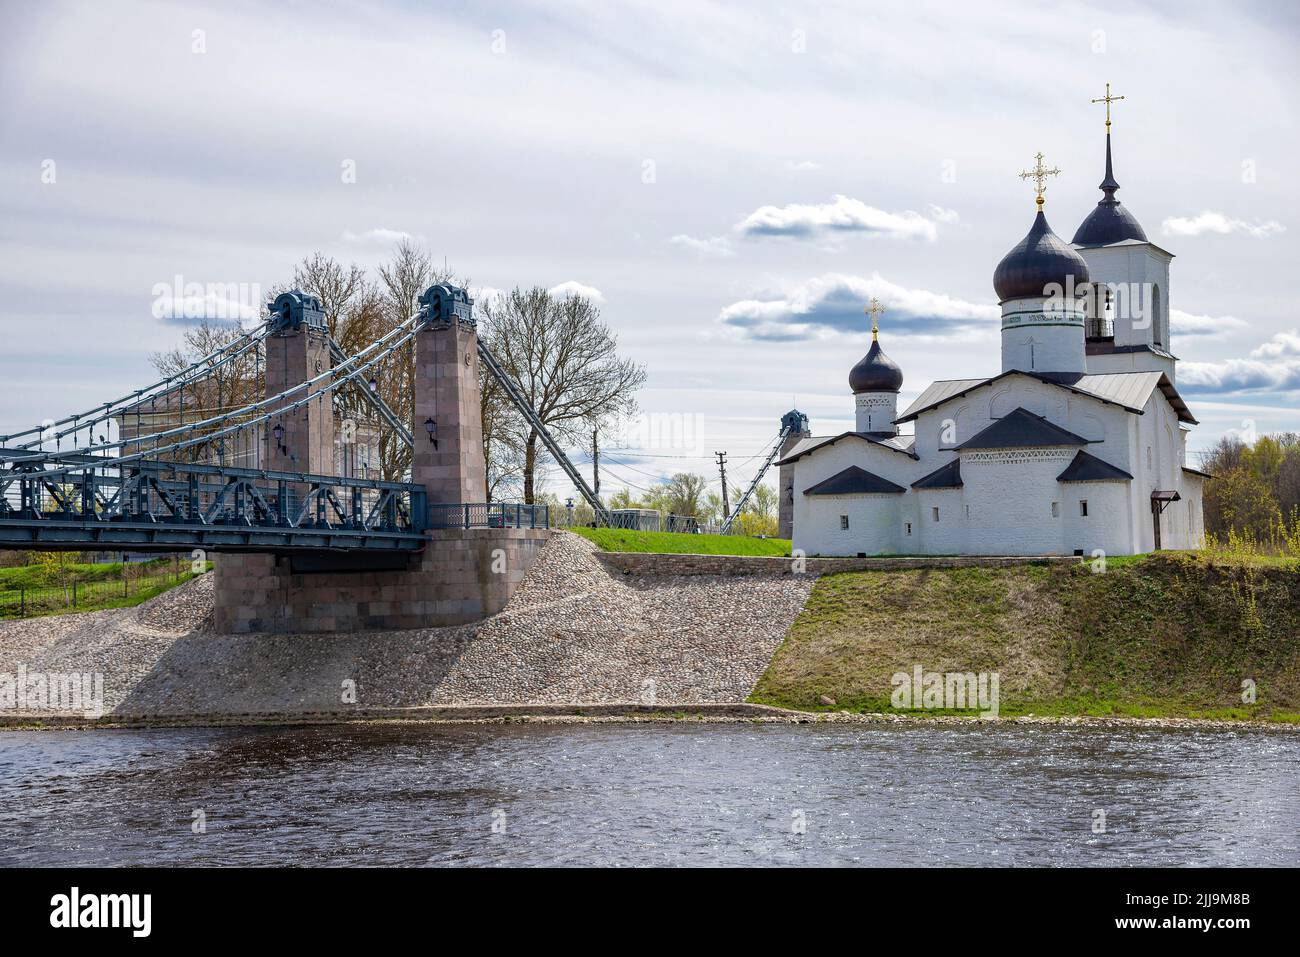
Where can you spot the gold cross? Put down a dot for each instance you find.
(1039, 175)
(874, 310)
(1108, 100)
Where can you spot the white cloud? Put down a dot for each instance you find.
(1210, 221)
(1271, 367)
(841, 215)
(941, 214)
(803, 166)
(379, 236)
(712, 246)
(483, 295)
(1187, 324)
(831, 304)
(574, 288)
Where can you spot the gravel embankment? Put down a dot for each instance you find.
(573, 633)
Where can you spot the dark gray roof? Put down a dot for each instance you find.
(945, 476)
(1037, 261)
(1109, 222)
(853, 481)
(1021, 429)
(1188, 468)
(1089, 468)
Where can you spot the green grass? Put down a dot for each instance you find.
(1167, 635)
(676, 543)
(41, 576)
(99, 587)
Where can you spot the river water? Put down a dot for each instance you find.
(668, 794)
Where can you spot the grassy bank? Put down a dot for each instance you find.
(1172, 635)
(627, 540)
(32, 591)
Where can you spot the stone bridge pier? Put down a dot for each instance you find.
(462, 574)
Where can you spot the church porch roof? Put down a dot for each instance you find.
(945, 476)
(1021, 429)
(854, 481)
(1089, 468)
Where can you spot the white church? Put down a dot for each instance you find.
(1078, 445)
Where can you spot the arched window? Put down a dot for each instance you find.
(1157, 318)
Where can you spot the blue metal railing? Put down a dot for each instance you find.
(489, 515)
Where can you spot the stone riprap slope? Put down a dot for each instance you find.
(574, 632)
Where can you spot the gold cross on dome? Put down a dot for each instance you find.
(1108, 100)
(874, 309)
(1039, 175)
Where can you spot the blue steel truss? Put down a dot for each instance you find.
(153, 505)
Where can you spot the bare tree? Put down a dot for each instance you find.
(563, 358)
(228, 387)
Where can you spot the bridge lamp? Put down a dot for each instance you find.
(431, 427)
(278, 432)
(374, 385)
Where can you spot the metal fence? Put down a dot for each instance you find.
(489, 515)
(82, 592)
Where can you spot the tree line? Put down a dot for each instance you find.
(557, 348)
(1255, 492)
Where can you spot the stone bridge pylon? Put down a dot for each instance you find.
(472, 558)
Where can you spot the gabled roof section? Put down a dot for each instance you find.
(1021, 429)
(937, 393)
(1128, 390)
(854, 481)
(1089, 468)
(896, 443)
(945, 476)
(1188, 468)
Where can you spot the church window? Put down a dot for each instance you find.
(909, 527)
(935, 512)
(1157, 335)
(1083, 507)
(1056, 509)
(1148, 456)
(844, 522)
(968, 511)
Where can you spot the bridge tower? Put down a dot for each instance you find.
(297, 351)
(470, 563)
(447, 456)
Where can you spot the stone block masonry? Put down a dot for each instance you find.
(463, 575)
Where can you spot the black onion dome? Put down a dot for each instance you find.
(876, 373)
(1037, 261)
(1109, 222)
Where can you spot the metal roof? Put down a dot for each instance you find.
(854, 481)
(945, 476)
(897, 443)
(1127, 389)
(1021, 429)
(1089, 468)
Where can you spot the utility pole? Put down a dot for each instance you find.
(722, 471)
(595, 464)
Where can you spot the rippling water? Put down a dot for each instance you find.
(650, 794)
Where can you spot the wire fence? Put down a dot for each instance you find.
(88, 591)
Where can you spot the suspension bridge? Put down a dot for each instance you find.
(236, 454)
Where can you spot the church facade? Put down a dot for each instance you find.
(1077, 447)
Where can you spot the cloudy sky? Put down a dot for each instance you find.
(731, 182)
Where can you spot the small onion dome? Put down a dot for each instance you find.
(1109, 222)
(1037, 261)
(876, 373)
